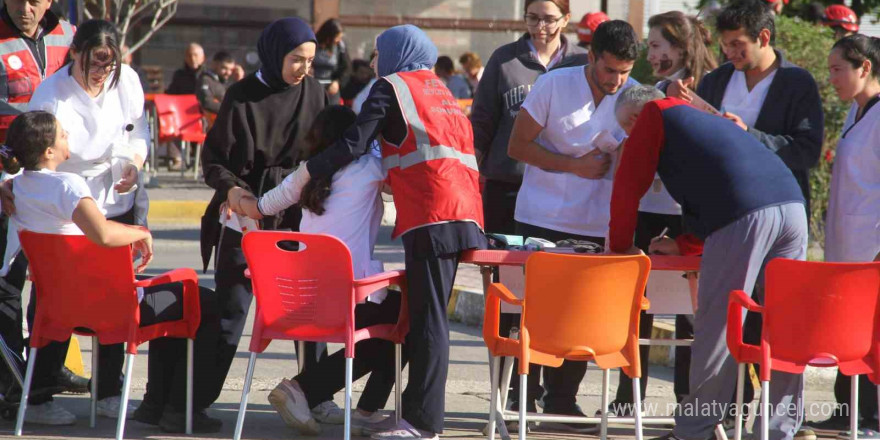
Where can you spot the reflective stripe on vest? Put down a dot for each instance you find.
(63, 39)
(424, 150)
(12, 45)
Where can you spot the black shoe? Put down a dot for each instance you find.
(149, 413)
(71, 383)
(581, 428)
(175, 421)
(837, 422)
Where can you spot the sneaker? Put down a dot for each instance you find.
(363, 426)
(49, 413)
(109, 407)
(581, 428)
(404, 431)
(71, 382)
(175, 421)
(291, 405)
(329, 412)
(513, 426)
(861, 434)
(149, 413)
(836, 422)
(620, 409)
(805, 434)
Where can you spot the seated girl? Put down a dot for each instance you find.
(350, 208)
(52, 202)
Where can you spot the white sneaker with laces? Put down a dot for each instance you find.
(329, 412)
(363, 426)
(291, 405)
(404, 431)
(109, 407)
(49, 413)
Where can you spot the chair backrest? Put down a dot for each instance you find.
(80, 285)
(178, 114)
(583, 301)
(817, 310)
(301, 293)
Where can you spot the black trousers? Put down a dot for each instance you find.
(234, 297)
(867, 396)
(373, 356)
(499, 204)
(649, 226)
(429, 285)
(561, 383)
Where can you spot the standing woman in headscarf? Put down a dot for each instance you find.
(428, 153)
(253, 144)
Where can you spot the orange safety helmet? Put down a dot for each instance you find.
(588, 25)
(840, 15)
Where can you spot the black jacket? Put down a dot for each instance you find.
(184, 81)
(210, 92)
(791, 122)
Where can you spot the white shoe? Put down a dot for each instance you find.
(329, 412)
(363, 426)
(109, 407)
(49, 413)
(291, 405)
(404, 431)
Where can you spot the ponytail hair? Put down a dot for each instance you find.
(857, 48)
(688, 34)
(27, 138)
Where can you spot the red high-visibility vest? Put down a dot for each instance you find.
(433, 172)
(22, 72)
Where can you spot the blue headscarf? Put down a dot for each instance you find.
(276, 41)
(404, 48)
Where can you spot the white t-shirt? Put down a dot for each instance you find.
(44, 202)
(742, 102)
(562, 103)
(97, 130)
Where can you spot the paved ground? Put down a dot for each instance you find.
(467, 389)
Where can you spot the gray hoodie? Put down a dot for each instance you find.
(507, 79)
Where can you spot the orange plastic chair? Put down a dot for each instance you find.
(576, 307)
(817, 314)
(180, 120)
(310, 295)
(91, 290)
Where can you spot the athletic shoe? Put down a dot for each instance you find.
(49, 413)
(862, 434)
(291, 405)
(363, 426)
(404, 431)
(329, 412)
(109, 407)
(175, 421)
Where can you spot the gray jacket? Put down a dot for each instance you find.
(507, 79)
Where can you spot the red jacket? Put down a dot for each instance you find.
(21, 72)
(433, 172)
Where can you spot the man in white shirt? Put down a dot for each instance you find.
(566, 188)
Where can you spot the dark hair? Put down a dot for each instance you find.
(96, 34)
(28, 137)
(444, 65)
(563, 5)
(858, 48)
(358, 63)
(328, 127)
(617, 38)
(223, 57)
(753, 16)
(328, 32)
(688, 34)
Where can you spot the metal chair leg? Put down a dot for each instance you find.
(767, 412)
(94, 414)
(196, 162)
(637, 403)
(25, 391)
(740, 381)
(506, 377)
(349, 366)
(523, 385)
(123, 404)
(493, 394)
(398, 385)
(603, 427)
(189, 386)
(300, 355)
(854, 409)
(239, 423)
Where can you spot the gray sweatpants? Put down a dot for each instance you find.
(734, 258)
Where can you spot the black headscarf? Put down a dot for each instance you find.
(276, 41)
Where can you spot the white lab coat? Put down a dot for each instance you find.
(852, 228)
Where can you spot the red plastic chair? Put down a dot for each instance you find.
(817, 314)
(91, 290)
(310, 295)
(180, 120)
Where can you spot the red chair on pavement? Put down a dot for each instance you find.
(91, 290)
(180, 120)
(310, 295)
(817, 314)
